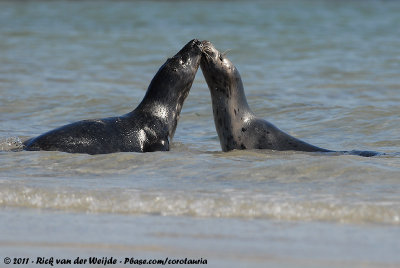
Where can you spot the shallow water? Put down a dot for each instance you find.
(324, 71)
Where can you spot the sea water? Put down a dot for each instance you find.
(327, 72)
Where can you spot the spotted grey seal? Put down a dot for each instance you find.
(237, 126)
(150, 127)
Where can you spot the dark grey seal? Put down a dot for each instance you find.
(150, 127)
(237, 126)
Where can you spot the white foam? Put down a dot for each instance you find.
(228, 204)
(10, 144)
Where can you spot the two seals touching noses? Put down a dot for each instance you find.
(150, 127)
(237, 126)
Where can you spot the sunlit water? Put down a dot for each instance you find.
(327, 72)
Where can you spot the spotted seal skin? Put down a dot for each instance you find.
(150, 127)
(237, 126)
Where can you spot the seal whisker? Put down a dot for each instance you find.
(207, 48)
(226, 52)
(206, 53)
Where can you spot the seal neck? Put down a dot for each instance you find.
(231, 100)
(163, 104)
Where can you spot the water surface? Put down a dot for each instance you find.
(324, 71)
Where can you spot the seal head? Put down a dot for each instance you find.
(171, 85)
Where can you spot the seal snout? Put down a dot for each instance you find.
(206, 46)
(206, 43)
(209, 51)
(192, 46)
(196, 42)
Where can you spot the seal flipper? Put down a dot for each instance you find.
(269, 136)
(363, 153)
(160, 145)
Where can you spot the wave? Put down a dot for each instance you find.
(225, 204)
(8, 144)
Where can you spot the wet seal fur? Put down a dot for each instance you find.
(237, 126)
(150, 127)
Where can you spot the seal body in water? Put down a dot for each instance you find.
(237, 126)
(150, 127)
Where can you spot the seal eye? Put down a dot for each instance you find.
(220, 57)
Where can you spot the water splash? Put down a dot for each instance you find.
(11, 144)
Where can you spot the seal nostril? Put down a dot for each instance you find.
(195, 42)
